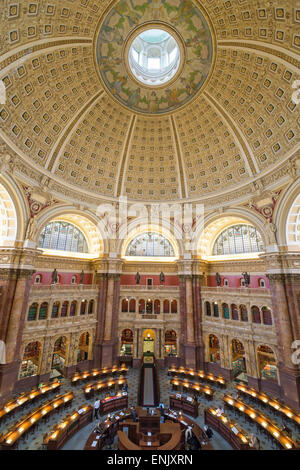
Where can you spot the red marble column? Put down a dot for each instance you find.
(101, 280)
(198, 281)
(12, 325)
(188, 346)
(285, 289)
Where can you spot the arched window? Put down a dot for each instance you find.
(73, 280)
(132, 304)
(208, 309)
(125, 305)
(38, 279)
(149, 306)
(43, 311)
(226, 283)
(157, 306)
(225, 309)
(234, 312)
(73, 308)
(32, 312)
(262, 283)
(174, 306)
(244, 313)
(255, 314)
(150, 244)
(266, 316)
(64, 309)
(55, 309)
(91, 307)
(83, 307)
(238, 239)
(63, 236)
(166, 306)
(216, 309)
(293, 223)
(141, 306)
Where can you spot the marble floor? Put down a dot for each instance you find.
(77, 442)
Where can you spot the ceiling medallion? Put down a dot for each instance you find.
(154, 56)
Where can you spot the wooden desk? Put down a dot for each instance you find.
(28, 397)
(200, 374)
(226, 427)
(267, 424)
(106, 427)
(61, 432)
(182, 404)
(148, 422)
(10, 439)
(110, 404)
(195, 387)
(86, 375)
(90, 389)
(185, 422)
(271, 402)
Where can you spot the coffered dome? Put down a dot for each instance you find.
(79, 107)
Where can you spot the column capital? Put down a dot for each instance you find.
(285, 262)
(13, 260)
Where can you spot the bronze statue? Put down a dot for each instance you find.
(162, 277)
(246, 277)
(137, 278)
(81, 277)
(54, 276)
(218, 279)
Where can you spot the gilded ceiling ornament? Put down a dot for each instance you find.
(151, 24)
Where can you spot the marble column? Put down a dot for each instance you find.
(187, 345)
(286, 317)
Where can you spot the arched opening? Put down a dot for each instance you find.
(32, 312)
(132, 305)
(55, 309)
(216, 309)
(43, 311)
(148, 343)
(255, 314)
(38, 279)
(73, 308)
(267, 363)
(91, 307)
(125, 305)
(73, 280)
(126, 348)
(266, 316)
(63, 236)
(31, 360)
(173, 306)
(171, 343)
(142, 306)
(59, 357)
(157, 306)
(166, 306)
(8, 218)
(244, 313)
(207, 309)
(83, 347)
(64, 309)
(83, 307)
(149, 306)
(238, 361)
(225, 310)
(234, 312)
(213, 349)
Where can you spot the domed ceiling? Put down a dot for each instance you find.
(76, 114)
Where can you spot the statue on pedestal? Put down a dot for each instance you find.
(31, 229)
(54, 277)
(162, 277)
(81, 277)
(137, 278)
(218, 279)
(246, 277)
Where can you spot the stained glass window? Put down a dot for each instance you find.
(63, 236)
(238, 239)
(150, 244)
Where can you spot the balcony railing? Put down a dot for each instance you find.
(144, 287)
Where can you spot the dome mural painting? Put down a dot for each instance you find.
(136, 53)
